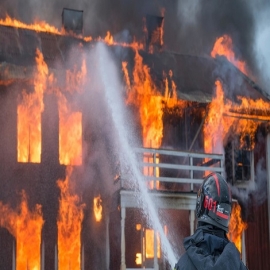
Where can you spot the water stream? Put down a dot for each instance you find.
(109, 75)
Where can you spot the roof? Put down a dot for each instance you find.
(194, 76)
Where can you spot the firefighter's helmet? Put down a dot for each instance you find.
(214, 201)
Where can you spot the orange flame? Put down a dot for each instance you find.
(38, 26)
(109, 40)
(220, 120)
(144, 94)
(98, 208)
(42, 26)
(70, 136)
(224, 46)
(69, 225)
(170, 97)
(149, 244)
(213, 128)
(70, 122)
(236, 227)
(26, 227)
(29, 112)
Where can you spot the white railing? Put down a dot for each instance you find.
(179, 167)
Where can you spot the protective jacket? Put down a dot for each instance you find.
(208, 249)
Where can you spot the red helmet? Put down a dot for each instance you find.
(214, 201)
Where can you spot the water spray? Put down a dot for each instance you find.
(112, 87)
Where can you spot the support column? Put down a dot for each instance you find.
(155, 250)
(14, 255)
(268, 178)
(82, 257)
(191, 220)
(243, 244)
(55, 258)
(107, 243)
(123, 240)
(42, 256)
(191, 173)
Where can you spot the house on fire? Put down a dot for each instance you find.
(61, 185)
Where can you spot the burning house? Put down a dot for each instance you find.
(68, 202)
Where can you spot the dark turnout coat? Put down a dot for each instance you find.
(208, 248)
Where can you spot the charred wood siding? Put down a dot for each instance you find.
(257, 240)
(257, 234)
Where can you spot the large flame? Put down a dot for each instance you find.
(144, 94)
(236, 226)
(223, 117)
(70, 122)
(29, 112)
(213, 128)
(224, 46)
(25, 226)
(70, 136)
(69, 224)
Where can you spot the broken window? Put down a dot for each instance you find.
(238, 159)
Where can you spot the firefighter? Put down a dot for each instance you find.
(209, 248)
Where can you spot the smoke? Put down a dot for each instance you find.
(262, 39)
(188, 11)
(255, 192)
(100, 16)
(100, 154)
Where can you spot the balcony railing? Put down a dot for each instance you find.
(164, 169)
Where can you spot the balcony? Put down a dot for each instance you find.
(171, 179)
